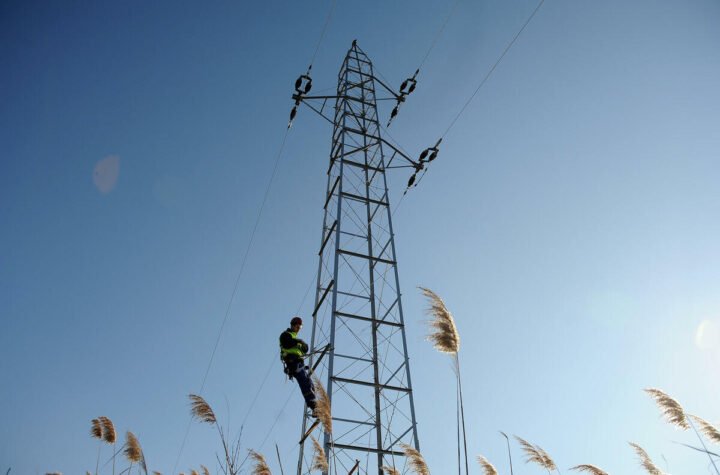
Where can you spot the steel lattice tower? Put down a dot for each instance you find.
(358, 309)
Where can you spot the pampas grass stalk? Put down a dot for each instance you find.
(390, 470)
(203, 412)
(322, 406)
(535, 454)
(488, 468)
(710, 431)
(671, 409)
(702, 442)
(445, 338)
(676, 415)
(96, 433)
(261, 467)
(415, 460)
(645, 460)
(591, 469)
(319, 461)
(109, 435)
(133, 451)
(507, 441)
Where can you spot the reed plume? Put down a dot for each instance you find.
(156, 473)
(415, 460)
(201, 410)
(133, 451)
(711, 432)
(390, 470)
(205, 470)
(444, 334)
(445, 338)
(261, 467)
(194, 472)
(108, 430)
(671, 409)
(591, 469)
(319, 461)
(322, 406)
(488, 468)
(535, 454)
(645, 460)
(96, 429)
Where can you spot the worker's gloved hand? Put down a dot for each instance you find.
(304, 347)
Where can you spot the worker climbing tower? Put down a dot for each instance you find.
(358, 314)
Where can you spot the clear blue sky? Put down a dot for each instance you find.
(571, 222)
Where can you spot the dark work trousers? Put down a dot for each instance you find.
(302, 374)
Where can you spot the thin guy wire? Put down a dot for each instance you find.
(489, 73)
(322, 34)
(235, 288)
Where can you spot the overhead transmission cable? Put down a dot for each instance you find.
(409, 84)
(494, 66)
(434, 150)
(235, 286)
(250, 242)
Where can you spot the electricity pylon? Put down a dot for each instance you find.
(358, 314)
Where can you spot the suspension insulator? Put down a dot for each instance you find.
(394, 112)
(412, 87)
(424, 154)
(403, 85)
(433, 156)
(308, 86)
(293, 113)
(411, 180)
(298, 83)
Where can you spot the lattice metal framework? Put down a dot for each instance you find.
(358, 309)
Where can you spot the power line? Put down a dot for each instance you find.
(322, 34)
(492, 69)
(235, 287)
(439, 33)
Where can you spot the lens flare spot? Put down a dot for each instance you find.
(707, 336)
(106, 172)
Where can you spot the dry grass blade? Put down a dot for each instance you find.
(201, 410)
(415, 460)
(710, 431)
(591, 469)
(319, 461)
(133, 451)
(488, 468)
(205, 470)
(645, 461)
(96, 429)
(390, 470)
(261, 466)
(322, 407)
(444, 336)
(671, 409)
(535, 454)
(108, 430)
